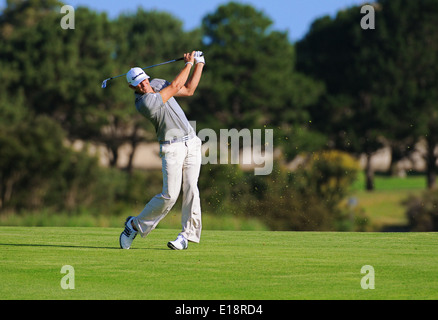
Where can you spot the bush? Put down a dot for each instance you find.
(32, 156)
(328, 174)
(422, 211)
(38, 171)
(309, 198)
(223, 189)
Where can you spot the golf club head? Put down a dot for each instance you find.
(104, 83)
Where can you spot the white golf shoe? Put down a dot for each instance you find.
(180, 243)
(128, 235)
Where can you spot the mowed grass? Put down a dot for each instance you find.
(226, 265)
(384, 206)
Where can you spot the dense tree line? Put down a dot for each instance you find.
(381, 84)
(338, 88)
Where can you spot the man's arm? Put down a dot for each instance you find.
(190, 88)
(180, 79)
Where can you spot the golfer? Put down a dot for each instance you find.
(180, 152)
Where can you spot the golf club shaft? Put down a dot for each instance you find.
(160, 64)
(155, 65)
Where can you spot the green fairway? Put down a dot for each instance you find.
(226, 265)
(384, 206)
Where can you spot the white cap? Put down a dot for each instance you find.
(135, 76)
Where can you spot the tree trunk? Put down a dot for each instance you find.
(369, 174)
(134, 143)
(113, 155)
(431, 163)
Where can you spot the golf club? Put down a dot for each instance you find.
(104, 83)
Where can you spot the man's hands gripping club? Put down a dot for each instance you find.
(179, 87)
(199, 57)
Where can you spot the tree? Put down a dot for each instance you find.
(407, 45)
(59, 70)
(55, 67)
(37, 170)
(380, 83)
(245, 57)
(250, 81)
(337, 52)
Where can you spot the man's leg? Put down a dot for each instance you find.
(191, 204)
(172, 162)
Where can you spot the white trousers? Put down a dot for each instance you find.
(181, 164)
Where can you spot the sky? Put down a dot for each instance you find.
(294, 16)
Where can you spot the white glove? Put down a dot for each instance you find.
(199, 58)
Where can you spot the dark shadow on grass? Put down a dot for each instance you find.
(71, 246)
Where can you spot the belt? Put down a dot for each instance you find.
(175, 140)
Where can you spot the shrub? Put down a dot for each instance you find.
(329, 174)
(37, 170)
(310, 197)
(223, 188)
(422, 211)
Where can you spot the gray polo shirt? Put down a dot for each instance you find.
(168, 118)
